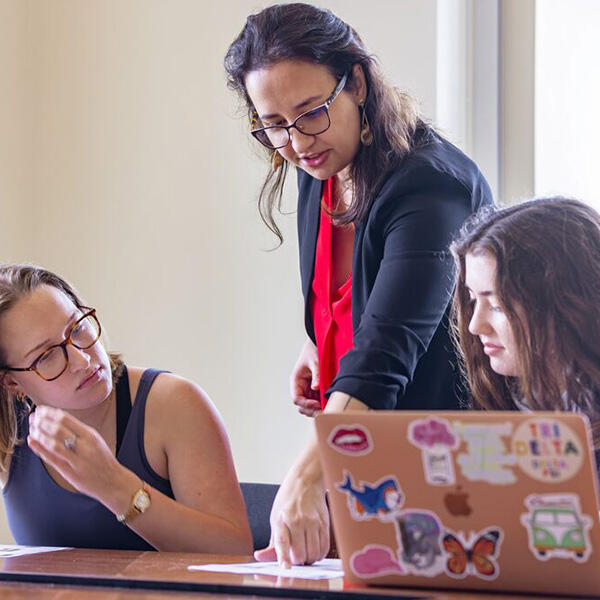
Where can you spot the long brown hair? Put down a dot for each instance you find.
(16, 282)
(547, 254)
(304, 32)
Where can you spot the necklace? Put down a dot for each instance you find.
(342, 196)
(101, 425)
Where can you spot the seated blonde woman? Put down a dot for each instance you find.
(96, 454)
(527, 307)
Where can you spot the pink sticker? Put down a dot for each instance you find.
(354, 440)
(430, 432)
(436, 440)
(374, 560)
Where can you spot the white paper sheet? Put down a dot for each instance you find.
(7, 551)
(328, 568)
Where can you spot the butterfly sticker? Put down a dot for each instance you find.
(476, 559)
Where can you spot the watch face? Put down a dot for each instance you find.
(142, 501)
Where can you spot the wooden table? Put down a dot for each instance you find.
(128, 575)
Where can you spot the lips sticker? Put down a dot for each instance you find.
(354, 440)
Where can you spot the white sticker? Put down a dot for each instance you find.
(556, 527)
(436, 440)
(547, 449)
(486, 458)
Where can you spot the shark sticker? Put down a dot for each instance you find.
(380, 500)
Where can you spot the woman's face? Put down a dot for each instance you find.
(282, 92)
(489, 322)
(31, 326)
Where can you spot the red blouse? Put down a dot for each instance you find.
(331, 309)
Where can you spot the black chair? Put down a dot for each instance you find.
(259, 499)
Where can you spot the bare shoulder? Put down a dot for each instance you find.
(176, 401)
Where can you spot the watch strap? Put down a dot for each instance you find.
(133, 510)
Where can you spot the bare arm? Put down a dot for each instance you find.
(208, 513)
(299, 518)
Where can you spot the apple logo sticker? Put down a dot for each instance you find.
(456, 503)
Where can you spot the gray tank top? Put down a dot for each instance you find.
(42, 513)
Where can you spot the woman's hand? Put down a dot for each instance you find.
(304, 381)
(80, 455)
(299, 524)
(300, 517)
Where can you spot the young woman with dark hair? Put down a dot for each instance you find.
(380, 196)
(97, 454)
(526, 311)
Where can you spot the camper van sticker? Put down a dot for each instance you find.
(354, 440)
(419, 535)
(556, 527)
(547, 449)
(374, 560)
(381, 500)
(475, 556)
(436, 440)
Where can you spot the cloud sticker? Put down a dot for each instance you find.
(374, 560)
(432, 432)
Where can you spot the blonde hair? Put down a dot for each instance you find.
(16, 282)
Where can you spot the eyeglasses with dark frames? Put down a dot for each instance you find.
(53, 362)
(312, 122)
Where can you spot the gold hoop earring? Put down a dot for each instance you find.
(276, 160)
(366, 136)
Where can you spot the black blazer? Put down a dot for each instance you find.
(402, 278)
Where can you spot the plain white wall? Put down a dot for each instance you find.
(567, 99)
(452, 40)
(517, 99)
(15, 144)
(15, 131)
(129, 170)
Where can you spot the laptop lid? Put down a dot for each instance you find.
(472, 500)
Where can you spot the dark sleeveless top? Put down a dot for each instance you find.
(42, 513)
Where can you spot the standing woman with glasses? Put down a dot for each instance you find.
(80, 464)
(380, 196)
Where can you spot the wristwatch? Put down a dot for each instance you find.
(139, 504)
